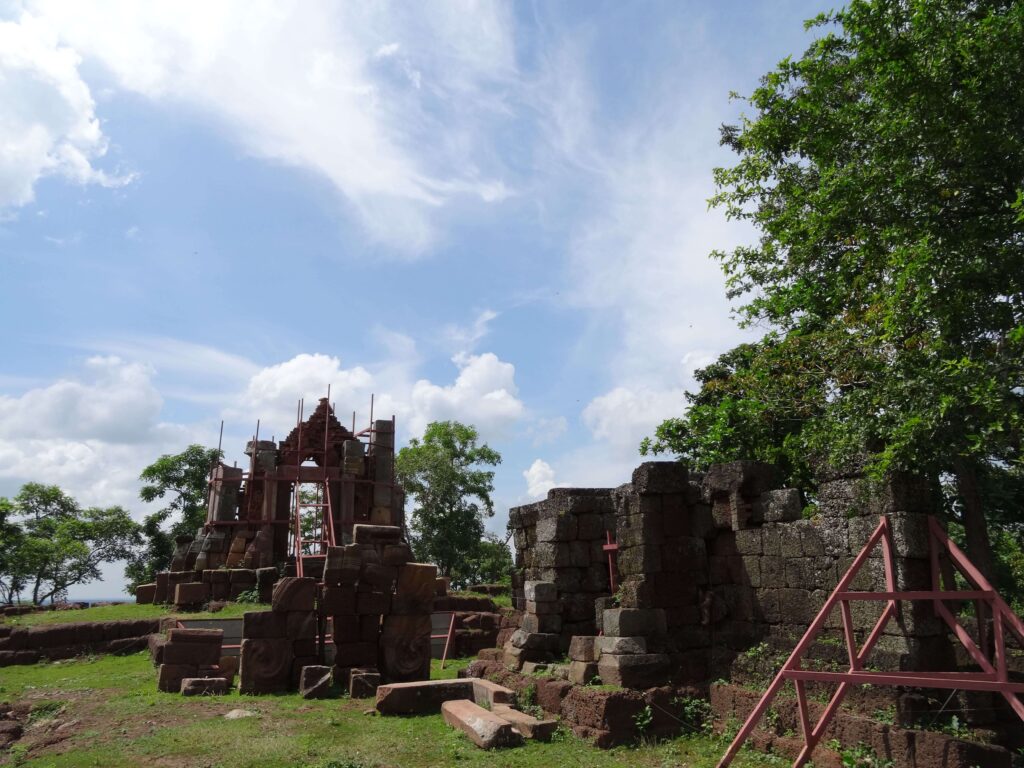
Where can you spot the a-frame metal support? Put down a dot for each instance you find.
(993, 677)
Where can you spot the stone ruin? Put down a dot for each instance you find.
(315, 527)
(718, 575)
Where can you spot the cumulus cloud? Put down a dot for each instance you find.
(484, 394)
(112, 400)
(540, 478)
(91, 432)
(354, 93)
(48, 125)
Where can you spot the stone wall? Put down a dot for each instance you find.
(28, 645)
(713, 565)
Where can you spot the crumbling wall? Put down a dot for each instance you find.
(713, 565)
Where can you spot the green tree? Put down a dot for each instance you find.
(452, 494)
(58, 544)
(182, 479)
(493, 563)
(882, 171)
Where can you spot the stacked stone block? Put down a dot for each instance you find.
(278, 643)
(380, 604)
(539, 635)
(188, 655)
(200, 587)
(561, 541)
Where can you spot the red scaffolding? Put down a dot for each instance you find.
(993, 677)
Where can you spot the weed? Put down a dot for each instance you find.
(771, 719)
(46, 710)
(887, 715)
(249, 597)
(860, 756)
(695, 713)
(643, 721)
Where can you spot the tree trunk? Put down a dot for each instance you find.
(979, 547)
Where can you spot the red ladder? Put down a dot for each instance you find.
(313, 549)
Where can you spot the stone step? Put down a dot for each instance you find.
(485, 729)
(527, 725)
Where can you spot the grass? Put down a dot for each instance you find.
(126, 611)
(107, 712)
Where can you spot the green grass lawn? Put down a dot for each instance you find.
(126, 611)
(107, 712)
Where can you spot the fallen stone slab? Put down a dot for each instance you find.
(204, 686)
(485, 729)
(489, 694)
(422, 697)
(315, 682)
(527, 725)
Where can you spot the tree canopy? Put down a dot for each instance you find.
(882, 171)
(52, 544)
(182, 479)
(444, 473)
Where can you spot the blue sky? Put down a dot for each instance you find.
(483, 211)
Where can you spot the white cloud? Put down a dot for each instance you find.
(113, 401)
(315, 86)
(540, 478)
(484, 394)
(91, 433)
(464, 338)
(48, 124)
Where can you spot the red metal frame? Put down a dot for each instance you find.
(993, 676)
(611, 547)
(448, 639)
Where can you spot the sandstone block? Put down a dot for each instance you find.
(265, 665)
(423, 697)
(540, 591)
(527, 725)
(583, 648)
(639, 670)
(194, 654)
(544, 623)
(628, 622)
(300, 625)
(144, 593)
(376, 534)
(294, 594)
(191, 594)
(338, 600)
(417, 580)
(373, 603)
(363, 683)
(315, 682)
(487, 693)
(622, 644)
(260, 625)
(169, 676)
(485, 729)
